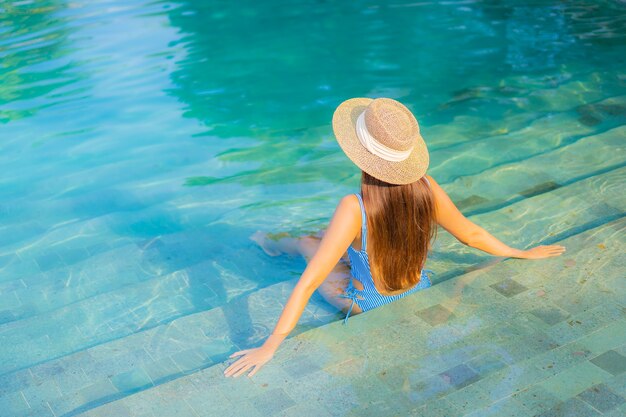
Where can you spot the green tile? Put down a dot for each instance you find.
(509, 287)
(38, 394)
(557, 360)
(618, 412)
(63, 405)
(40, 412)
(426, 389)
(272, 402)
(530, 345)
(499, 312)
(601, 398)
(131, 381)
(596, 318)
(14, 402)
(73, 380)
(416, 368)
(301, 367)
(609, 337)
(175, 407)
(436, 315)
(611, 362)
(397, 378)
(301, 391)
(307, 409)
(486, 364)
(15, 381)
(536, 399)
(564, 332)
(374, 404)
(505, 407)
(97, 390)
(161, 370)
(438, 408)
(527, 319)
(339, 400)
(574, 380)
(573, 407)
(618, 384)
(427, 365)
(550, 315)
(469, 399)
(510, 380)
(190, 359)
(459, 376)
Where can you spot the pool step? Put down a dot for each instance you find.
(544, 135)
(507, 329)
(137, 266)
(544, 218)
(150, 357)
(511, 127)
(518, 110)
(188, 343)
(540, 173)
(148, 300)
(113, 312)
(87, 241)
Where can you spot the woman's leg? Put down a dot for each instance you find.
(337, 280)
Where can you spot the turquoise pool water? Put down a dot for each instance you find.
(143, 142)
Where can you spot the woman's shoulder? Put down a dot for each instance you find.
(347, 219)
(349, 207)
(350, 203)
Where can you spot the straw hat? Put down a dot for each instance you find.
(381, 136)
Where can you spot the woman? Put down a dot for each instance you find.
(386, 230)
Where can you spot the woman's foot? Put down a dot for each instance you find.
(276, 244)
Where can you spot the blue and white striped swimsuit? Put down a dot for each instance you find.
(369, 297)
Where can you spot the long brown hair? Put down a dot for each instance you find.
(400, 227)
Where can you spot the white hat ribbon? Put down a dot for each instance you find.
(375, 147)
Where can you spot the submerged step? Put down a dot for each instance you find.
(545, 216)
(519, 106)
(542, 173)
(499, 144)
(199, 340)
(490, 189)
(511, 329)
(474, 157)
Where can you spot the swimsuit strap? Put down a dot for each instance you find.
(363, 223)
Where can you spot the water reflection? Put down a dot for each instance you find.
(35, 53)
(276, 74)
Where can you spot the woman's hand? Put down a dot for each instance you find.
(543, 251)
(256, 358)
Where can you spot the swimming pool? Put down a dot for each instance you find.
(143, 142)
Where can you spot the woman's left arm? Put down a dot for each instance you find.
(343, 228)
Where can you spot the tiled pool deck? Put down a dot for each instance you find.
(519, 338)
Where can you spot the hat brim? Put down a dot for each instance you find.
(404, 172)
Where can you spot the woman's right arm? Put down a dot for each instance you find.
(450, 218)
(343, 227)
